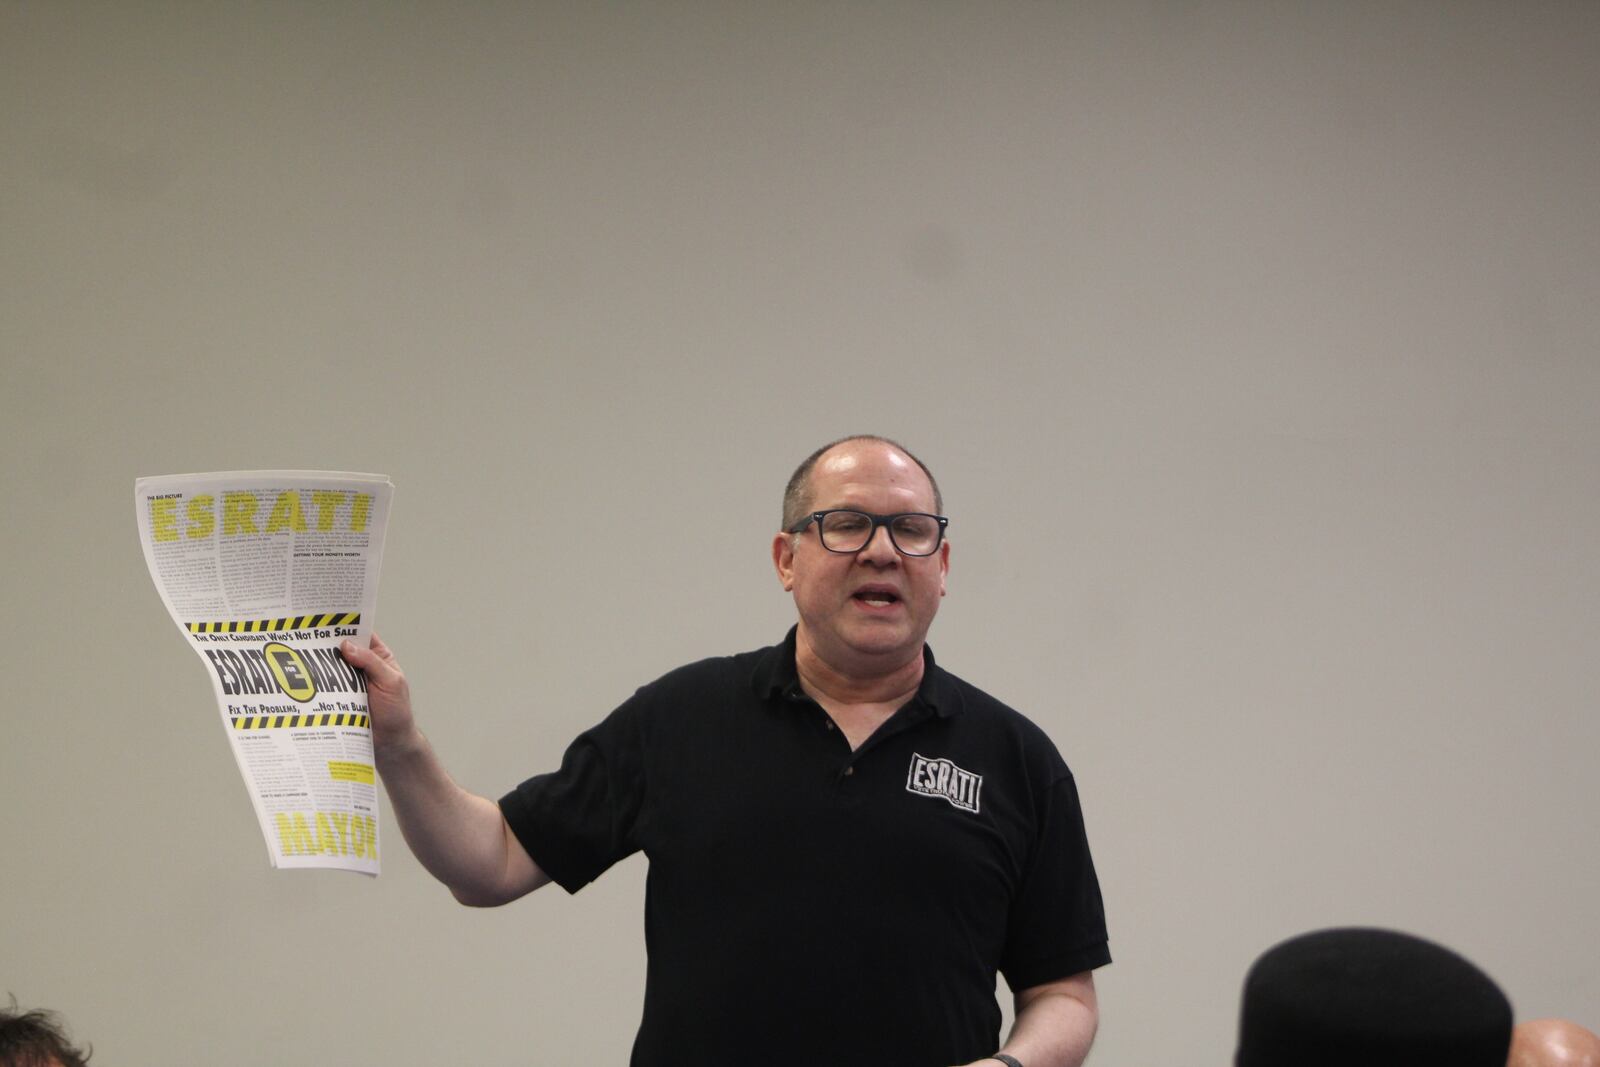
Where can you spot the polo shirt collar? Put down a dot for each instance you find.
(775, 674)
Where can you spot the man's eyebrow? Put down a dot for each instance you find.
(874, 514)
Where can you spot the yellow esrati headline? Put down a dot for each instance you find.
(330, 510)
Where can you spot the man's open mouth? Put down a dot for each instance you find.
(878, 597)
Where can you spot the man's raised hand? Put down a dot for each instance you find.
(388, 694)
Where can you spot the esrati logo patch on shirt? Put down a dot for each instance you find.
(941, 778)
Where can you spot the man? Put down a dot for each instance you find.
(36, 1039)
(1553, 1043)
(846, 842)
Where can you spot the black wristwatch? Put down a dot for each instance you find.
(1009, 1061)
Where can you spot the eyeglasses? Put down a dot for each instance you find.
(913, 533)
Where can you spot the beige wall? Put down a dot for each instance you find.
(1255, 345)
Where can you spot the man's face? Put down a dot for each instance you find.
(865, 610)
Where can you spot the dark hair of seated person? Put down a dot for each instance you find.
(36, 1039)
(1366, 997)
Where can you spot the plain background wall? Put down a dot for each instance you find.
(1255, 345)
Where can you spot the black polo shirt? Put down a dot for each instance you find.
(807, 904)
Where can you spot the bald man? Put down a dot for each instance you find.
(1553, 1043)
(847, 843)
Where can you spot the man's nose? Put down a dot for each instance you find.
(879, 547)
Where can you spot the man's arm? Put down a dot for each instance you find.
(461, 838)
(1055, 1024)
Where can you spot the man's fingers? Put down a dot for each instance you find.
(377, 662)
(354, 654)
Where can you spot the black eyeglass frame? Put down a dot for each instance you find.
(885, 521)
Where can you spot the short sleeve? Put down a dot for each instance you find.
(578, 821)
(1057, 926)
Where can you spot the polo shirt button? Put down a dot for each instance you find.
(848, 771)
(830, 724)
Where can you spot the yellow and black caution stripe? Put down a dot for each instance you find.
(259, 626)
(278, 722)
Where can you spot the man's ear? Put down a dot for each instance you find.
(944, 564)
(783, 559)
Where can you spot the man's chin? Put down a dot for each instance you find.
(883, 638)
(883, 642)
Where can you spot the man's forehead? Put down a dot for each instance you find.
(856, 455)
(869, 465)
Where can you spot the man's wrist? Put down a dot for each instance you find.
(397, 751)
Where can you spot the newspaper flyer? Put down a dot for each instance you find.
(266, 573)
